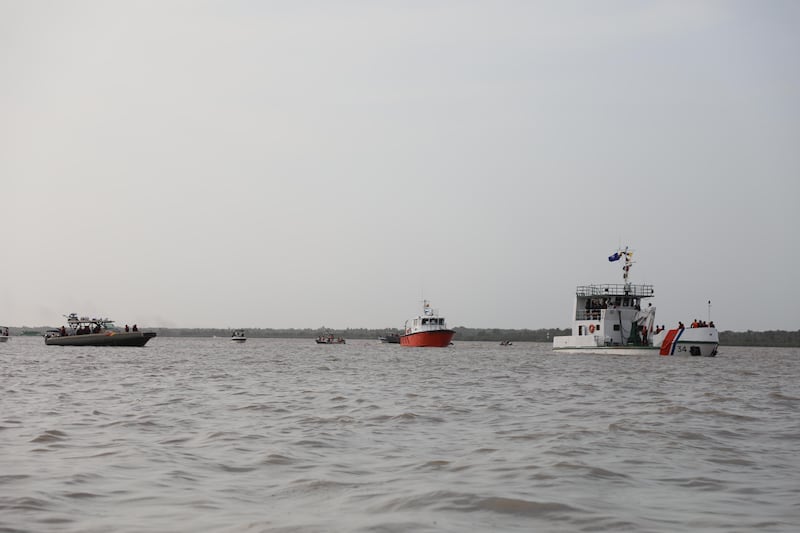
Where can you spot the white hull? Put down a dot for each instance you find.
(4, 338)
(693, 341)
(610, 350)
(238, 339)
(704, 350)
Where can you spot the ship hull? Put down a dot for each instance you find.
(428, 339)
(692, 341)
(610, 350)
(701, 342)
(135, 338)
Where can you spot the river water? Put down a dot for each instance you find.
(289, 436)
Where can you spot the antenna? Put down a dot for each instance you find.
(627, 255)
(709, 311)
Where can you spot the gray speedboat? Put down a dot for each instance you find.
(85, 331)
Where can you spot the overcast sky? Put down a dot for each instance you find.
(306, 164)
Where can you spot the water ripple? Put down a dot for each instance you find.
(283, 435)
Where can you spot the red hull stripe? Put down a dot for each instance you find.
(668, 346)
(436, 339)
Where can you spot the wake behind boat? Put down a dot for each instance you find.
(427, 330)
(611, 319)
(85, 331)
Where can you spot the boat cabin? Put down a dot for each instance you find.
(85, 325)
(426, 323)
(614, 314)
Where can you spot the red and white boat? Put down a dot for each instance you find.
(427, 330)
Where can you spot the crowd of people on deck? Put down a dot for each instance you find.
(86, 329)
(329, 339)
(697, 324)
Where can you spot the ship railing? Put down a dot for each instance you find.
(589, 314)
(615, 289)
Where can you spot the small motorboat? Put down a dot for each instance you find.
(329, 339)
(390, 338)
(238, 335)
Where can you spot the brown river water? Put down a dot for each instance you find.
(290, 436)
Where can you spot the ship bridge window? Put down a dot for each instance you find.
(424, 321)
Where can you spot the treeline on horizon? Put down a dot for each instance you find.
(776, 338)
(772, 338)
(463, 334)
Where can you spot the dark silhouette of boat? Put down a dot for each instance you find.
(390, 338)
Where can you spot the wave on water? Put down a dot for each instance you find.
(275, 435)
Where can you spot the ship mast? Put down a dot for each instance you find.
(627, 255)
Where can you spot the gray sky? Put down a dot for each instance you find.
(300, 164)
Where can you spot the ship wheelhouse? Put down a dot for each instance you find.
(425, 323)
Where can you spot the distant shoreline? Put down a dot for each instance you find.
(769, 338)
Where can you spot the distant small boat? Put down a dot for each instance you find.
(329, 339)
(390, 338)
(238, 335)
(4, 334)
(427, 330)
(85, 331)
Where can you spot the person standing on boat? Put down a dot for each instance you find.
(127, 329)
